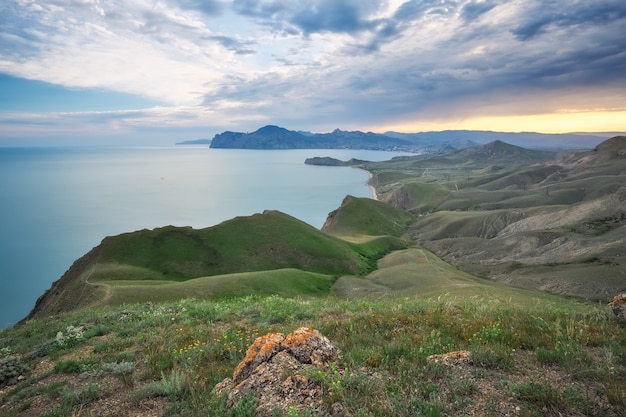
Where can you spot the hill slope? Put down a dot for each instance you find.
(519, 216)
(132, 267)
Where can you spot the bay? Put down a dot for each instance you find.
(58, 203)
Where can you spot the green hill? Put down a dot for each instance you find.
(256, 243)
(241, 256)
(364, 216)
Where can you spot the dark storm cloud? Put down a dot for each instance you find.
(540, 16)
(387, 30)
(476, 56)
(330, 16)
(307, 17)
(475, 9)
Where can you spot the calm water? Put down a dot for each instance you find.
(58, 203)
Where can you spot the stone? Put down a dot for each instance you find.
(225, 386)
(262, 350)
(619, 306)
(274, 370)
(451, 358)
(309, 346)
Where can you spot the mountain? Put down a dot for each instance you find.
(274, 137)
(524, 217)
(268, 137)
(492, 156)
(526, 139)
(195, 142)
(502, 153)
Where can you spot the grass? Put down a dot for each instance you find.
(269, 253)
(284, 282)
(523, 342)
(363, 216)
(260, 242)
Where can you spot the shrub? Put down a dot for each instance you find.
(10, 371)
(71, 336)
(67, 367)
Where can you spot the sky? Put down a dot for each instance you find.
(162, 71)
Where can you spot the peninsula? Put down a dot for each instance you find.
(275, 137)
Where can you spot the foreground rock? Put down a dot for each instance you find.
(275, 372)
(619, 306)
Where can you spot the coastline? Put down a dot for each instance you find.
(371, 179)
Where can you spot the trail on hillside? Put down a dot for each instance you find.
(108, 291)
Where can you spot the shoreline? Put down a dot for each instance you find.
(369, 184)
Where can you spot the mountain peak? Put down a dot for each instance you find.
(270, 130)
(504, 151)
(615, 144)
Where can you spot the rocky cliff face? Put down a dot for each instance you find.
(70, 291)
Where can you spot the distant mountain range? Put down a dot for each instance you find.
(275, 137)
(195, 142)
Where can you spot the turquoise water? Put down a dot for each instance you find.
(58, 203)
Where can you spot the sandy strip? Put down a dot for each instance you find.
(369, 184)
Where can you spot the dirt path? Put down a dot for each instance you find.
(108, 292)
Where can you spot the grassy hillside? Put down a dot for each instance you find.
(531, 354)
(256, 243)
(282, 282)
(510, 214)
(269, 253)
(366, 217)
(413, 271)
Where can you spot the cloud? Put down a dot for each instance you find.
(233, 44)
(539, 17)
(211, 8)
(318, 62)
(474, 9)
(311, 16)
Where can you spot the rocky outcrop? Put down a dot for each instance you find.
(619, 307)
(275, 372)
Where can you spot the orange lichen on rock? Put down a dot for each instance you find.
(274, 369)
(310, 346)
(619, 306)
(262, 350)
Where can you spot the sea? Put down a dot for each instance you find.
(57, 203)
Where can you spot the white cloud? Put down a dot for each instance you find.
(319, 63)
